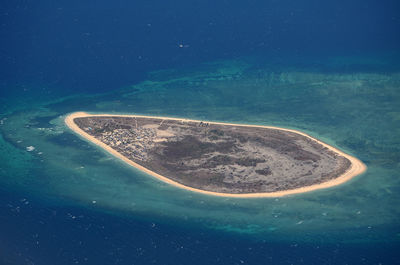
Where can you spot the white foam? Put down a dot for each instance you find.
(30, 148)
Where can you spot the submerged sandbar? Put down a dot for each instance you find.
(221, 159)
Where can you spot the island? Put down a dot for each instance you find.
(222, 159)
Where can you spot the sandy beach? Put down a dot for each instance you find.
(357, 167)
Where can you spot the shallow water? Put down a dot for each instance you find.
(356, 112)
(328, 68)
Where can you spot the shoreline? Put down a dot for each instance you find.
(356, 168)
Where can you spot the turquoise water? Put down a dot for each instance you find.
(328, 68)
(357, 111)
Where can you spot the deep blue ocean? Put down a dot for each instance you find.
(328, 68)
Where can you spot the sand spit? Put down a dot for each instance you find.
(356, 168)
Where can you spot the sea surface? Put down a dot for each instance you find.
(327, 68)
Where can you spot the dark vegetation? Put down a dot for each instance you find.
(219, 157)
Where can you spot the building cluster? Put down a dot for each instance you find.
(132, 143)
(203, 124)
